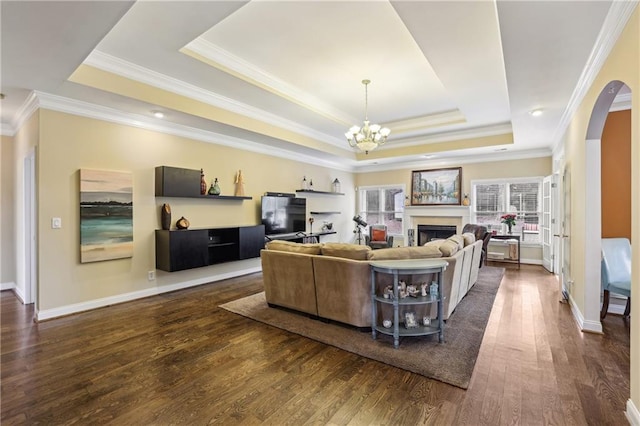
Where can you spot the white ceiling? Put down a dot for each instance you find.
(441, 72)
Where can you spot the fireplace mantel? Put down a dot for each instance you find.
(449, 215)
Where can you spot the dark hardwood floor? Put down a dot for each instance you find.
(179, 359)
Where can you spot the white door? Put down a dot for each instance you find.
(545, 232)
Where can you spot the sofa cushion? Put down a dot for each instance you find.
(347, 251)
(458, 239)
(469, 238)
(292, 247)
(399, 253)
(449, 247)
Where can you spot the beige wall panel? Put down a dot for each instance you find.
(70, 143)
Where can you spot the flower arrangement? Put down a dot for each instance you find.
(509, 220)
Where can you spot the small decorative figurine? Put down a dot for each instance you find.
(239, 192)
(423, 288)
(305, 184)
(215, 188)
(386, 323)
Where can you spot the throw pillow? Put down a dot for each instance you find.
(288, 246)
(449, 247)
(469, 238)
(458, 239)
(378, 235)
(347, 251)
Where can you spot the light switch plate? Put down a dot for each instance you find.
(56, 223)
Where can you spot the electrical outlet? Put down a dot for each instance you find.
(56, 223)
(151, 275)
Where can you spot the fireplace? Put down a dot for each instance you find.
(427, 233)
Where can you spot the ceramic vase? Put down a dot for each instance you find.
(165, 217)
(182, 223)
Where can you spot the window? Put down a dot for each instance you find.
(520, 196)
(382, 205)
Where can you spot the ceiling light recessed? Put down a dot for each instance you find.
(158, 114)
(536, 112)
(500, 149)
(428, 156)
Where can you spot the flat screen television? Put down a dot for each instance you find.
(283, 215)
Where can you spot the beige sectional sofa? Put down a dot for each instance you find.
(333, 280)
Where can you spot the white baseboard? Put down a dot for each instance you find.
(531, 261)
(46, 314)
(7, 286)
(19, 293)
(632, 413)
(588, 326)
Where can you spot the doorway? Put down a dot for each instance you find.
(593, 198)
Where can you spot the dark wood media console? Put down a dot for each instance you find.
(177, 250)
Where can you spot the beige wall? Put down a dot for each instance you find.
(623, 64)
(69, 143)
(7, 201)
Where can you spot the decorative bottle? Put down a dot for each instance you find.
(310, 184)
(465, 200)
(336, 185)
(304, 183)
(203, 183)
(215, 188)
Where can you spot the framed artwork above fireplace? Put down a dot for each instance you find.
(437, 187)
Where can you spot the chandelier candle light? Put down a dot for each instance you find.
(370, 136)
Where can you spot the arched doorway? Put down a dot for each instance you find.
(593, 219)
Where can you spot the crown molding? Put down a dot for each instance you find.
(225, 61)
(614, 23)
(426, 121)
(135, 72)
(7, 129)
(26, 110)
(476, 132)
(456, 160)
(98, 112)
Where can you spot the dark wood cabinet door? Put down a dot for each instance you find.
(251, 241)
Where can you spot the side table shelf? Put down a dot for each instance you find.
(407, 267)
(505, 239)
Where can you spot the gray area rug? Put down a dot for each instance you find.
(451, 362)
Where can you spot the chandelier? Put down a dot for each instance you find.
(370, 136)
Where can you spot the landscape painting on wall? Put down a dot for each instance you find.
(106, 215)
(436, 187)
